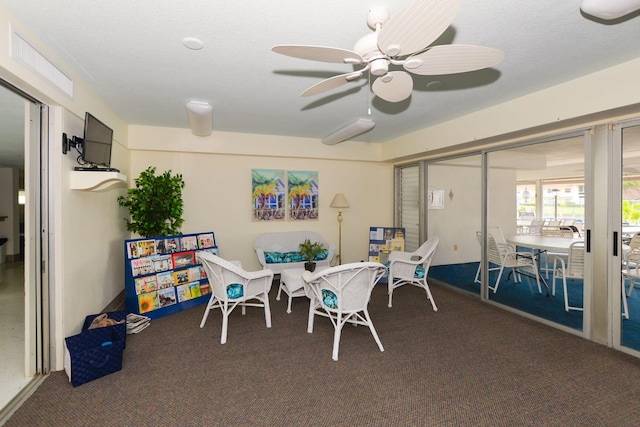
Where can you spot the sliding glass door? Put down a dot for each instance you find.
(535, 212)
(626, 317)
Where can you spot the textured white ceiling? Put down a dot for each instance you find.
(131, 53)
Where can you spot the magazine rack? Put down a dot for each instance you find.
(162, 275)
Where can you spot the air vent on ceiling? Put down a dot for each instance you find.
(23, 51)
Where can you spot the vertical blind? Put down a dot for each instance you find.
(409, 199)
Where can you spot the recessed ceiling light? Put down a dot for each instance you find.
(192, 43)
(434, 84)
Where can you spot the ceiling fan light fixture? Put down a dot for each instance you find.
(379, 67)
(609, 9)
(349, 131)
(200, 117)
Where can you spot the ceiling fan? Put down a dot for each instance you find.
(401, 40)
(609, 9)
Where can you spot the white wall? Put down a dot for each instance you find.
(89, 230)
(456, 225)
(539, 113)
(217, 194)
(86, 260)
(92, 247)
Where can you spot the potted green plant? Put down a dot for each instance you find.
(309, 251)
(155, 204)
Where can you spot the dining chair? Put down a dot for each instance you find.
(231, 286)
(631, 263)
(631, 272)
(342, 294)
(535, 228)
(504, 256)
(411, 268)
(572, 268)
(550, 256)
(551, 228)
(497, 233)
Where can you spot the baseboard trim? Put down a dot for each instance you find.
(19, 399)
(13, 258)
(118, 303)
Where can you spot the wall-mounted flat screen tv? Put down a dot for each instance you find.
(98, 138)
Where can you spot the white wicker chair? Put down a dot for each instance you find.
(342, 294)
(232, 286)
(403, 269)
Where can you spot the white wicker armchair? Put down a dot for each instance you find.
(232, 286)
(404, 268)
(342, 294)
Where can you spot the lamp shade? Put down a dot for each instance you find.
(339, 201)
(200, 117)
(349, 131)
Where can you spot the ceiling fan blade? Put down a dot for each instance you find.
(331, 83)
(319, 53)
(416, 26)
(395, 86)
(453, 58)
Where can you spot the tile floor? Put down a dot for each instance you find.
(12, 378)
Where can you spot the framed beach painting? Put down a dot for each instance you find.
(268, 195)
(302, 195)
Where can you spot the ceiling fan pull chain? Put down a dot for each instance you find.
(369, 93)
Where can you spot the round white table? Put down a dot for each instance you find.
(540, 244)
(292, 283)
(544, 243)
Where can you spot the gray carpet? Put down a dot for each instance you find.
(469, 364)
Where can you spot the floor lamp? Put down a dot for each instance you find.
(340, 202)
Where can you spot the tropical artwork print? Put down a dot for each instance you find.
(303, 195)
(268, 194)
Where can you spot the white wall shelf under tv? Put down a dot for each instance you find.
(94, 181)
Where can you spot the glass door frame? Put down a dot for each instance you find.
(588, 220)
(615, 178)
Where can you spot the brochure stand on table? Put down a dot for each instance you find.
(383, 240)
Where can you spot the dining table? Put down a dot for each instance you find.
(542, 244)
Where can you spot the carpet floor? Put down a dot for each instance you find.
(525, 297)
(468, 364)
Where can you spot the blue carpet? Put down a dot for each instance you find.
(524, 296)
